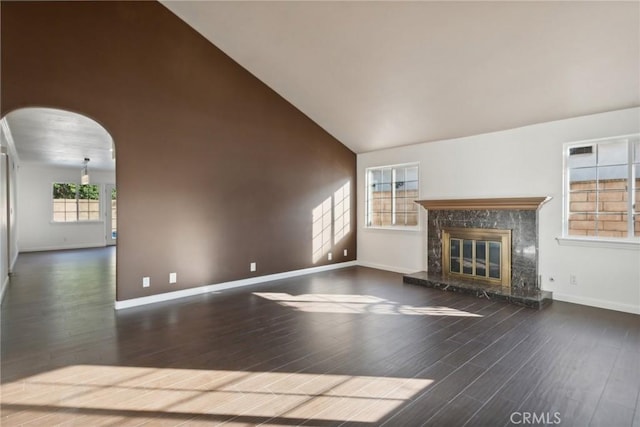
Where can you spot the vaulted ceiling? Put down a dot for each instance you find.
(383, 74)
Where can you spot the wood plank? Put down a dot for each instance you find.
(379, 352)
(519, 203)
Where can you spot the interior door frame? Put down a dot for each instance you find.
(109, 240)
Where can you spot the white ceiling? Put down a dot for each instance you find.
(60, 138)
(384, 74)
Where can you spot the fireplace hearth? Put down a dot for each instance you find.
(486, 247)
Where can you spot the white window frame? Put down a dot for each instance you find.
(632, 207)
(393, 189)
(77, 220)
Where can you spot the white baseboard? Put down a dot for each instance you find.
(134, 302)
(386, 267)
(593, 302)
(61, 247)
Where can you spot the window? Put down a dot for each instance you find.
(74, 202)
(114, 213)
(602, 185)
(390, 195)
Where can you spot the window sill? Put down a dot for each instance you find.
(404, 229)
(600, 243)
(99, 221)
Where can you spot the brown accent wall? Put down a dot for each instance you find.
(214, 169)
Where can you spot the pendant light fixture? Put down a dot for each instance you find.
(84, 178)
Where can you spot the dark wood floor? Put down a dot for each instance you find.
(352, 347)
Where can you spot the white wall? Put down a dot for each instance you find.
(4, 258)
(12, 213)
(8, 208)
(520, 162)
(36, 231)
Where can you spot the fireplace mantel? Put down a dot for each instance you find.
(504, 203)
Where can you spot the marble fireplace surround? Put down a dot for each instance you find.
(518, 214)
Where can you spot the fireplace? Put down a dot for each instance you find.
(478, 254)
(488, 247)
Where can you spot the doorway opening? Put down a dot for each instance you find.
(66, 179)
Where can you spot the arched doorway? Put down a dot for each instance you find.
(66, 194)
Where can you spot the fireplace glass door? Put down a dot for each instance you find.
(478, 258)
(481, 254)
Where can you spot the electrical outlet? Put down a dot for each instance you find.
(329, 256)
(146, 282)
(253, 266)
(173, 277)
(572, 280)
(345, 252)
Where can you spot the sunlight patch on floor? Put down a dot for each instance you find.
(357, 304)
(92, 395)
